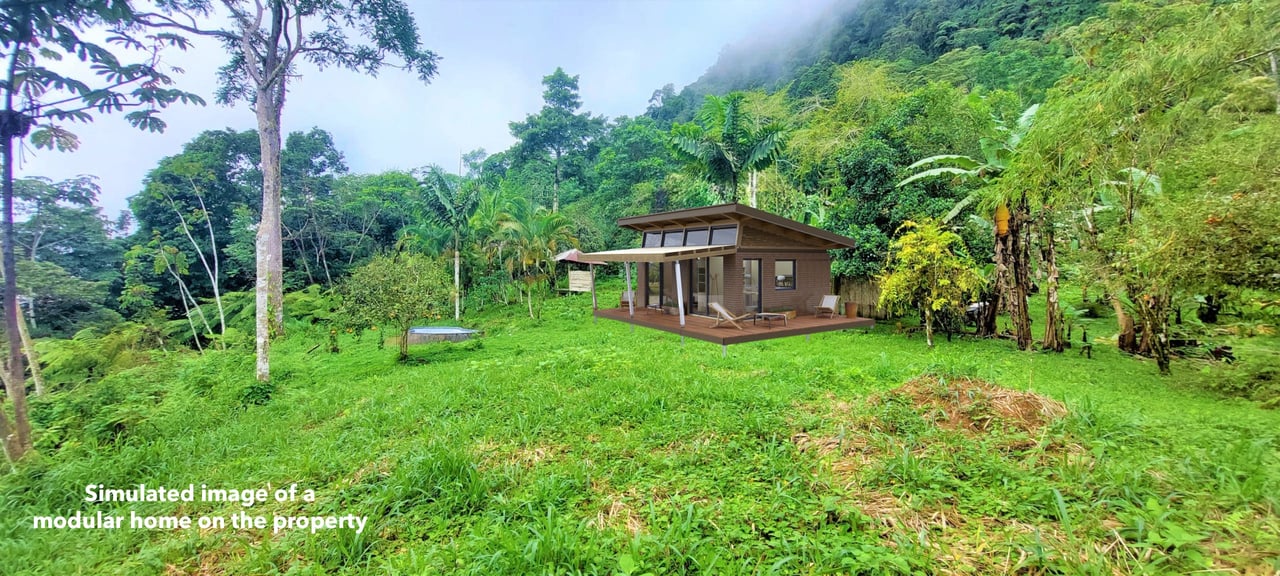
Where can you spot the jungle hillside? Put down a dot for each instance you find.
(1066, 224)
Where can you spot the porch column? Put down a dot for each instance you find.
(631, 302)
(679, 294)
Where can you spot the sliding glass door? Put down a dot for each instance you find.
(707, 285)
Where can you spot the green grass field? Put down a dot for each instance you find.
(564, 446)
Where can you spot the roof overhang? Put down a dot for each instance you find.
(661, 254)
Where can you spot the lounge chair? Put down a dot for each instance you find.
(827, 306)
(724, 316)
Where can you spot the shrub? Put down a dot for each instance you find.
(396, 290)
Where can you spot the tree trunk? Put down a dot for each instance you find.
(1275, 73)
(555, 186)
(1153, 310)
(457, 280)
(210, 271)
(751, 189)
(1127, 340)
(33, 357)
(17, 438)
(1013, 275)
(987, 322)
(928, 325)
(269, 288)
(1053, 332)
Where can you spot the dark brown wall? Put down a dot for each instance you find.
(813, 279)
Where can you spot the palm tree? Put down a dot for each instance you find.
(726, 141)
(996, 156)
(535, 236)
(449, 202)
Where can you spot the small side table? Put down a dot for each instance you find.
(769, 317)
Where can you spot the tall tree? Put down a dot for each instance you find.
(35, 96)
(726, 142)
(450, 201)
(558, 130)
(265, 40)
(310, 165)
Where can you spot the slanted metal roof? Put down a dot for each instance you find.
(661, 254)
(731, 213)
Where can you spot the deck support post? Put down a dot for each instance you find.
(679, 294)
(724, 350)
(631, 295)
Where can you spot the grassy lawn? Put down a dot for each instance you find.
(571, 446)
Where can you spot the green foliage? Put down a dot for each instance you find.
(557, 133)
(927, 272)
(727, 141)
(396, 291)
(996, 44)
(61, 304)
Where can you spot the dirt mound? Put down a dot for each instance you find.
(972, 405)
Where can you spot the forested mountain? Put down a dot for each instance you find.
(910, 33)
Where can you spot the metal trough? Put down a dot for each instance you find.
(422, 335)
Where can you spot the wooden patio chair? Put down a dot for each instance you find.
(827, 306)
(724, 316)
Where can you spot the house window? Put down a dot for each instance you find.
(696, 237)
(784, 275)
(652, 239)
(724, 235)
(673, 238)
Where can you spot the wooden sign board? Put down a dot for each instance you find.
(579, 281)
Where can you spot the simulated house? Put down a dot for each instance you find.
(747, 261)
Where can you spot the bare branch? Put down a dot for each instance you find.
(34, 105)
(156, 20)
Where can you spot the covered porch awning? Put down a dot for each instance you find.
(661, 254)
(657, 254)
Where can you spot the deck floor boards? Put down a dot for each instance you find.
(699, 327)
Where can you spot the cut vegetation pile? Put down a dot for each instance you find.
(971, 405)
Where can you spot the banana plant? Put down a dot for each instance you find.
(996, 156)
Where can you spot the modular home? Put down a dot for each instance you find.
(744, 259)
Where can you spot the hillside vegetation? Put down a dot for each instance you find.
(1076, 203)
(569, 446)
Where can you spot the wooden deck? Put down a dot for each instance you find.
(700, 326)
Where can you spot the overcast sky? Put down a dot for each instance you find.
(494, 55)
